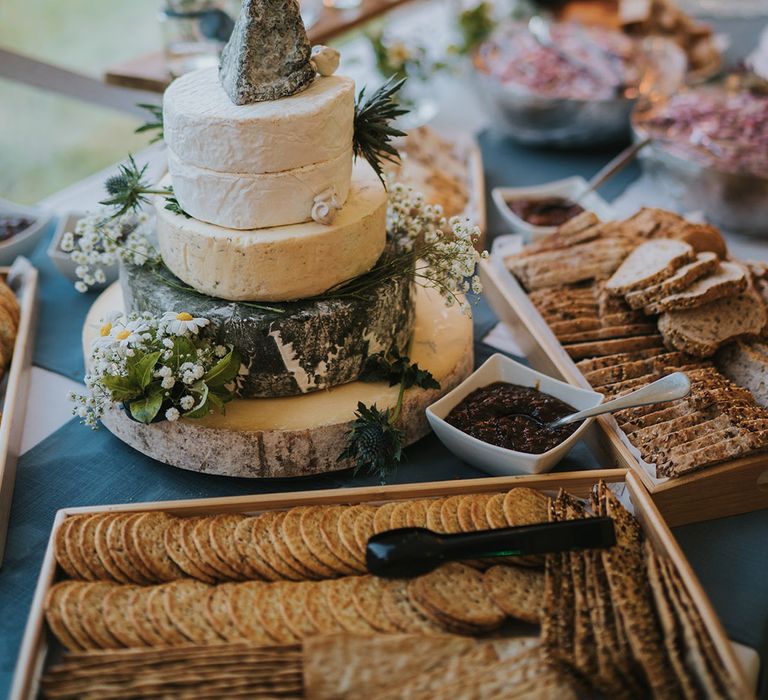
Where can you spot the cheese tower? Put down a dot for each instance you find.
(274, 210)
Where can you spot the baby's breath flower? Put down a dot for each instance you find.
(172, 414)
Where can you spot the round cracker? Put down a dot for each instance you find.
(60, 548)
(190, 549)
(249, 539)
(518, 592)
(329, 526)
(494, 512)
(86, 542)
(8, 330)
(267, 538)
(176, 551)
(398, 518)
(218, 611)
(243, 599)
(311, 533)
(319, 612)
(456, 592)
(145, 538)
(396, 605)
(366, 596)
(449, 515)
(70, 615)
(53, 616)
(268, 611)
(72, 545)
(293, 606)
(382, 519)
(138, 611)
(103, 550)
(158, 616)
(90, 603)
(479, 516)
(346, 529)
(185, 602)
(115, 608)
(464, 513)
(363, 528)
(221, 532)
(201, 539)
(339, 598)
(524, 506)
(292, 536)
(434, 515)
(10, 301)
(116, 543)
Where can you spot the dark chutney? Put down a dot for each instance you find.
(493, 414)
(549, 211)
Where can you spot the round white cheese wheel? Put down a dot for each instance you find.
(237, 200)
(204, 128)
(281, 263)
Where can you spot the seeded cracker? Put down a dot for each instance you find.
(185, 531)
(268, 611)
(319, 612)
(54, 617)
(60, 550)
(116, 606)
(382, 519)
(138, 611)
(434, 515)
(367, 595)
(145, 538)
(218, 612)
(449, 514)
(339, 598)
(518, 592)
(311, 533)
(185, 602)
(243, 601)
(346, 533)
(525, 507)
(363, 529)
(158, 616)
(479, 516)
(70, 615)
(103, 550)
(89, 604)
(72, 546)
(282, 553)
(397, 607)
(252, 543)
(293, 607)
(114, 543)
(86, 544)
(129, 553)
(221, 534)
(201, 539)
(176, 551)
(494, 512)
(292, 536)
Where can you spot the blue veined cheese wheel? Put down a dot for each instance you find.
(312, 345)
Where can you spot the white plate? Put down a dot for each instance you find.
(568, 188)
(499, 460)
(24, 242)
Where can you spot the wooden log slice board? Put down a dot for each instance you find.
(296, 435)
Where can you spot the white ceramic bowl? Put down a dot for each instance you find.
(499, 460)
(24, 242)
(569, 188)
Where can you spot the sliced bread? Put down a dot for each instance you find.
(649, 263)
(704, 330)
(581, 351)
(703, 237)
(746, 364)
(728, 280)
(683, 278)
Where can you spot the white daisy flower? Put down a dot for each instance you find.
(184, 323)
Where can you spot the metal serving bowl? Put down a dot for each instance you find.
(736, 202)
(540, 120)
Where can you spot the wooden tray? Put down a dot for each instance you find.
(16, 388)
(36, 642)
(730, 488)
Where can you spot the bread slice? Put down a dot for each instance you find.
(702, 237)
(685, 276)
(746, 364)
(637, 368)
(704, 330)
(650, 221)
(606, 333)
(648, 264)
(728, 280)
(580, 351)
(590, 365)
(580, 229)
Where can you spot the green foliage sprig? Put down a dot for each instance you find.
(475, 25)
(375, 443)
(374, 131)
(154, 123)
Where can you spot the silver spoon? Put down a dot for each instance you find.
(613, 167)
(670, 388)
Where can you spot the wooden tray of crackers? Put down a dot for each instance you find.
(258, 596)
(18, 289)
(727, 487)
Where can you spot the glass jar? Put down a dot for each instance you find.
(195, 31)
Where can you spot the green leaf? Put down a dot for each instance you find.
(200, 410)
(121, 388)
(146, 409)
(141, 368)
(217, 402)
(155, 121)
(224, 371)
(183, 350)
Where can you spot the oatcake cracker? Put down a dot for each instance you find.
(434, 515)
(53, 615)
(318, 611)
(525, 507)
(382, 517)
(201, 539)
(158, 616)
(449, 514)
(292, 536)
(518, 592)
(86, 544)
(329, 526)
(251, 541)
(399, 515)
(268, 611)
(138, 611)
(339, 598)
(72, 547)
(70, 615)
(243, 601)
(456, 591)
(218, 612)
(282, 553)
(60, 548)
(145, 538)
(479, 516)
(116, 606)
(464, 512)
(292, 602)
(127, 552)
(103, 549)
(312, 535)
(346, 529)
(363, 529)
(89, 603)
(185, 602)
(398, 609)
(185, 530)
(221, 535)
(367, 593)
(172, 539)
(494, 512)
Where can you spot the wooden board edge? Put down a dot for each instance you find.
(662, 539)
(17, 389)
